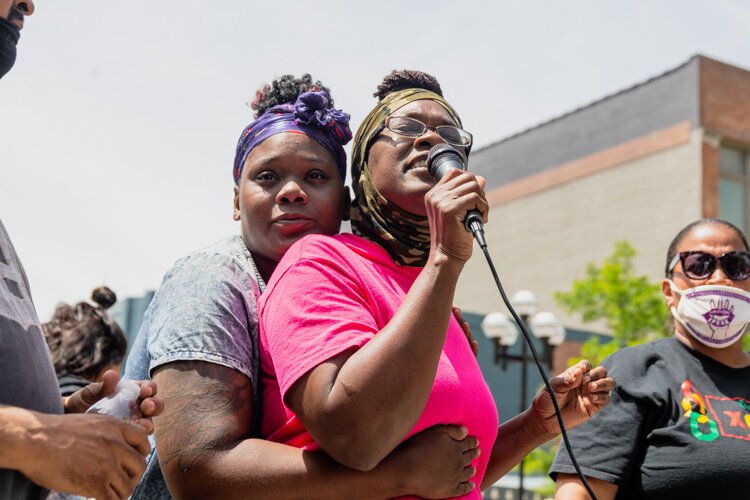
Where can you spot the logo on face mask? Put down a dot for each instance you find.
(720, 315)
(715, 315)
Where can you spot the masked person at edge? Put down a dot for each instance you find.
(199, 336)
(359, 349)
(677, 426)
(91, 455)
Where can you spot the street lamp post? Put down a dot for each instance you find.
(544, 326)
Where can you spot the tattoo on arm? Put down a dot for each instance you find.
(208, 407)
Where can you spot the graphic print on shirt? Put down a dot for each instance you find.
(15, 302)
(713, 416)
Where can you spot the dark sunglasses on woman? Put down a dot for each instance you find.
(699, 265)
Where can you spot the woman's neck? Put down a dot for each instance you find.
(265, 266)
(732, 356)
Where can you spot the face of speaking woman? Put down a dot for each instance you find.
(711, 321)
(398, 163)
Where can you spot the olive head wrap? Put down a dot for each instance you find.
(404, 235)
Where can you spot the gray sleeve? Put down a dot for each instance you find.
(611, 444)
(205, 310)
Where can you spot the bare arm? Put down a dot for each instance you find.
(90, 455)
(359, 406)
(569, 487)
(581, 392)
(205, 449)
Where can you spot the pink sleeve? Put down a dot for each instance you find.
(315, 311)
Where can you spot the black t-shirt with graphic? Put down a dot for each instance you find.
(678, 426)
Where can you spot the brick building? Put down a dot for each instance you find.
(637, 165)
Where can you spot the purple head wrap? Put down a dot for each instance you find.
(310, 115)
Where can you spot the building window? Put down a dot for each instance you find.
(734, 187)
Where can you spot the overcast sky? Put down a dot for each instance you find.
(119, 121)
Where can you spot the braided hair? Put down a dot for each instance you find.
(83, 339)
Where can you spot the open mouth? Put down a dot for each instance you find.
(421, 163)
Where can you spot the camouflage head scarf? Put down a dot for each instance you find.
(404, 235)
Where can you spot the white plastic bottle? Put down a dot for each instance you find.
(121, 403)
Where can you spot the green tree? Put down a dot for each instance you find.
(632, 306)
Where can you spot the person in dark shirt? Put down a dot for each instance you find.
(678, 425)
(91, 455)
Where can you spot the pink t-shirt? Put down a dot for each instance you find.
(332, 294)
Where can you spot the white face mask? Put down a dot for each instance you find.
(715, 315)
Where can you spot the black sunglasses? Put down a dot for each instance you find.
(699, 265)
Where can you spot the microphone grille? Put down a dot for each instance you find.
(437, 151)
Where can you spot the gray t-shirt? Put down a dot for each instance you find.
(28, 377)
(204, 310)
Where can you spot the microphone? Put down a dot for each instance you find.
(441, 159)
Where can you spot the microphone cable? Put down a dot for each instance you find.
(542, 372)
(441, 159)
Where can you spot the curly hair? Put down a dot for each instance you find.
(407, 79)
(83, 339)
(672, 250)
(284, 90)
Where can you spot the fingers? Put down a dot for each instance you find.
(112, 493)
(136, 436)
(152, 407)
(467, 189)
(598, 383)
(148, 388)
(146, 423)
(472, 453)
(456, 432)
(569, 379)
(119, 487)
(81, 400)
(464, 488)
(108, 384)
(133, 463)
(457, 313)
(473, 344)
(597, 373)
(601, 389)
(584, 365)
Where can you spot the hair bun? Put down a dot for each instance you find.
(104, 297)
(285, 90)
(315, 109)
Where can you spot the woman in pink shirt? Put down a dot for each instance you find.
(359, 349)
(199, 336)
